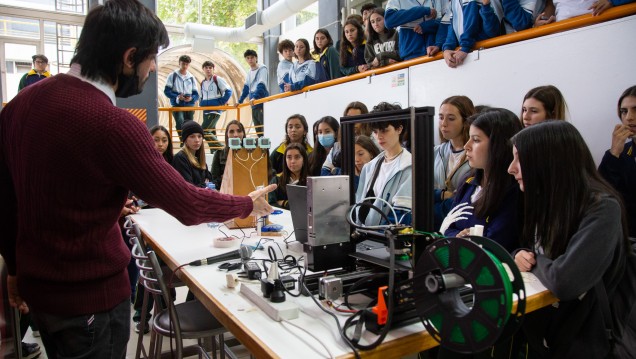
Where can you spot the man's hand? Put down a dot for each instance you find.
(261, 207)
(432, 50)
(129, 207)
(14, 297)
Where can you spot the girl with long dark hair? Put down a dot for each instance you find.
(490, 190)
(326, 137)
(382, 43)
(296, 129)
(163, 144)
(352, 45)
(575, 232)
(326, 54)
(295, 172)
(234, 129)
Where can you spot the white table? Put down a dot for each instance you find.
(177, 244)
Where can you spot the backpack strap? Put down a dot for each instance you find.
(218, 89)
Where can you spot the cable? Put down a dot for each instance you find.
(385, 330)
(350, 220)
(310, 334)
(357, 284)
(340, 330)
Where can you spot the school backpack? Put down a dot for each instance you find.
(619, 310)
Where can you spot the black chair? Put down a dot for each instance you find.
(188, 320)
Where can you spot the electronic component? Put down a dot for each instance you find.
(264, 143)
(330, 287)
(288, 282)
(249, 143)
(252, 270)
(235, 143)
(272, 227)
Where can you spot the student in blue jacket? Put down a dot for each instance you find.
(471, 21)
(490, 190)
(214, 92)
(303, 71)
(417, 23)
(182, 90)
(255, 88)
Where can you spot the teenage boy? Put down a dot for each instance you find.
(214, 92)
(286, 50)
(181, 89)
(40, 62)
(256, 88)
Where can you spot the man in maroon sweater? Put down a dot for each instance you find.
(68, 158)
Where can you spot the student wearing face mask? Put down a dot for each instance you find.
(325, 140)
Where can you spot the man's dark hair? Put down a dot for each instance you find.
(250, 52)
(368, 6)
(207, 63)
(285, 44)
(185, 58)
(41, 57)
(111, 29)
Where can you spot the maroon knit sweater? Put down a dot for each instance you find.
(68, 158)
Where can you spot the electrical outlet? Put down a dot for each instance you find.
(278, 311)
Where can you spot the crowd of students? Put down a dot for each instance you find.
(407, 29)
(488, 160)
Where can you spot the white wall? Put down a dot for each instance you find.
(591, 66)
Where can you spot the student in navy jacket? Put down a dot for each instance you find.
(618, 166)
(491, 191)
(214, 92)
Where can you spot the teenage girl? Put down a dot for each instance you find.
(352, 49)
(234, 129)
(490, 190)
(388, 175)
(296, 130)
(542, 103)
(618, 166)
(364, 150)
(327, 129)
(451, 164)
(303, 71)
(162, 142)
(575, 232)
(326, 54)
(382, 44)
(190, 161)
(294, 172)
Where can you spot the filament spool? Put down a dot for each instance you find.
(465, 290)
